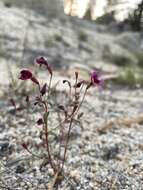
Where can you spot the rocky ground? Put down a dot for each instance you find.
(100, 155)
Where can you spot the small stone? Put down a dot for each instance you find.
(4, 147)
(75, 174)
(90, 175)
(110, 152)
(20, 169)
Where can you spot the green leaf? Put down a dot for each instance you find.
(45, 117)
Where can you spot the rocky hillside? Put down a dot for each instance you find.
(25, 34)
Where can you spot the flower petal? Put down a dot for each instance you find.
(96, 79)
(25, 74)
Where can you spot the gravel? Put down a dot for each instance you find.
(95, 161)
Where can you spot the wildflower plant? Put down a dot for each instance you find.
(70, 112)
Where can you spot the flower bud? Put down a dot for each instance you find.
(40, 121)
(43, 90)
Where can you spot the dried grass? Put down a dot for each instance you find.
(122, 122)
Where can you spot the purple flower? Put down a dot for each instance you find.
(96, 79)
(25, 74)
(43, 61)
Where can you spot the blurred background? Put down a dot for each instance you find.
(83, 34)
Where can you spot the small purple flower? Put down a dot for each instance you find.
(43, 61)
(96, 79)
(25, 74)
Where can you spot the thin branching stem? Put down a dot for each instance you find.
(49, 86)
(67, 140)
(80, 104)
(47, 145)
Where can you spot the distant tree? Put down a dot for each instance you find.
(136, 18)
(111, 11)
(88, 15)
